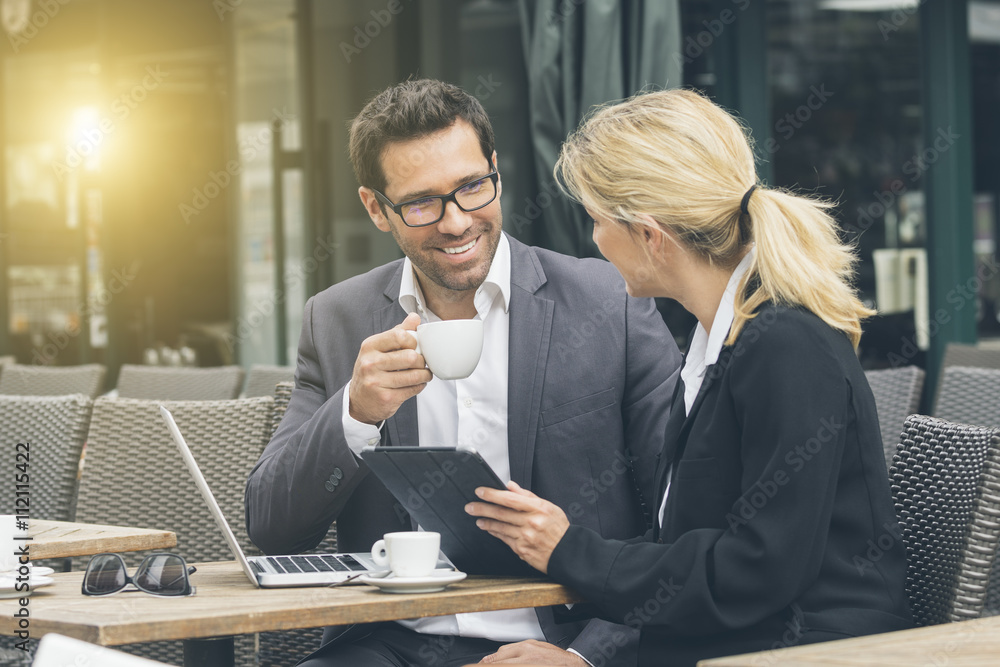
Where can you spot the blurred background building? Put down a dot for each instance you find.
(175, 172)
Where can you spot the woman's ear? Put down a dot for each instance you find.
(654, 236)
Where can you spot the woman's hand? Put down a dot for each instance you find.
(529, 525)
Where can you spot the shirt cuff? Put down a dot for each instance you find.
(358, 434)
(575, 652)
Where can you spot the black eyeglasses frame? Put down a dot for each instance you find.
(450, 197)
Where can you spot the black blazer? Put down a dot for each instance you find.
(779, 527)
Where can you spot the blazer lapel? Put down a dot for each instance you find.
(678, 425)
(530, 331)
(405, 419)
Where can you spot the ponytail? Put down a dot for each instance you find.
(800, 260)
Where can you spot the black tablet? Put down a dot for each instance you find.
(433, 485)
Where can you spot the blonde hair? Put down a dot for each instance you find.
(680, 159)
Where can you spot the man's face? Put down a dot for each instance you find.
(454, 255)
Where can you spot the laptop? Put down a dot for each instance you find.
(279, 571)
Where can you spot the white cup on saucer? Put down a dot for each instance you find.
(410, 554)
(451, 348)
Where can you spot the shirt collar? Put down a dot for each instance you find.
(723, 322)
(411, 297)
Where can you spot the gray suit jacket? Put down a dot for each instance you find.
(591, 375)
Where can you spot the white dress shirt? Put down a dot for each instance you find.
(470, 412)
(705, 349)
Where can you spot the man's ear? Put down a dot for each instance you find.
(373, 207)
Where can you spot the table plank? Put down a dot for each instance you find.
(226, 603)
(62, 539)
(975, 642)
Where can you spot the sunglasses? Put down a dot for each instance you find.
(158, 574)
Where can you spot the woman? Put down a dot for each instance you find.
(773, 492)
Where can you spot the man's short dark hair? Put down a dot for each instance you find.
(410, 110)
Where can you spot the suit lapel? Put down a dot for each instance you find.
(405, 419)
(530, 331)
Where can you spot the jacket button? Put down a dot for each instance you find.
(330, 486)
(338, 473)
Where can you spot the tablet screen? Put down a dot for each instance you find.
(433, 484)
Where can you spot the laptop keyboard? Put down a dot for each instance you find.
(316, 563)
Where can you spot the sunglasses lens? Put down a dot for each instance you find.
(163, 574)
(105, 574)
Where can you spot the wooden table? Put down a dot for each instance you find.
(62, 539)
(968, 643)
(226, 603)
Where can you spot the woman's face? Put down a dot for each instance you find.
(629, 251)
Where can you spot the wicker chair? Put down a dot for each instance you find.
(133, 475)
(945, 481)
(167, 383)
(897, 395)
(55, 428)
(285, 648)
(969, 396)
(969, 356)
(261, 379)
(29, 380)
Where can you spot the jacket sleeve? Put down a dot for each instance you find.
(792, 402)
(306, 474)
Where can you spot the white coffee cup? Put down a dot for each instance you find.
(451, 348)
(10, 548)
(408, 554)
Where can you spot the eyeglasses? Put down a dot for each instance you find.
(158, 574)
(428, 210)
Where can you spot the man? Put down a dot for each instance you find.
(569, 399)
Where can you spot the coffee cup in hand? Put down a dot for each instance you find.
(408, 554)
(451, 348)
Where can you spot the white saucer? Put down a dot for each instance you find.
(8, 585)
(436, 581)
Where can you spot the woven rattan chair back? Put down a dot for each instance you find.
(285, 648)
(30, 380)
(52, 430)
(945, 481)
(129, 444)
(969, 356)
(166, 383)
(897, 395)
(969, 396)
(262, 379)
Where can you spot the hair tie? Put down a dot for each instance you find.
(746, 200)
